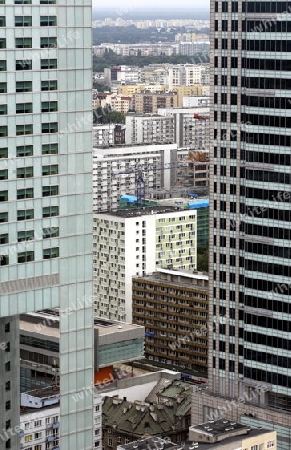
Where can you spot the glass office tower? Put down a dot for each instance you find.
(250, 247)
(46, 195)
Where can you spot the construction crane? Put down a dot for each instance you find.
(140, 183)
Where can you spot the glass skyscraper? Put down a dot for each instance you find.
(46, 197)
(250, 247)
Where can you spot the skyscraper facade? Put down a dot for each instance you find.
(250, 247)
(46, 195)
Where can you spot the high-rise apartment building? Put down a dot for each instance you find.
(46, 197)
(134, 242)
(250, 259)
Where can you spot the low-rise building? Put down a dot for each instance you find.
(173, 307)
(40, 420)
(166, 414)
(114, 343)
(250, 439)
(135, 242)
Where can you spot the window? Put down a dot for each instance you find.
(24, 129)
(3, 87)
(23, 21)
(7, 366)
(23, 108)
(3, 217)
(49, 149)
(4, 238)
(49, 106)
(3, 110)
(50, 190)
(24, 150)
(7, 327)
(2, 43)
(37, 435)
(21, 64)
(50, 211)
(25, 256)
(49, 85)
(3, 65)
(48, 42)
(50, 170)
(4, 174)
(24, 193)
(4, 260)
(25, 214)
(2, 21)
(50, 232)
(7, 347)
(37, 423)
(50, 127)
(22, 2)
(23, 86)
(3, 196)
(270, 444)
(51, 253)
(48, 21)
(24, 172)
(7, 386)
(4, 152)
(3, 131)
(27, 235)
(48, 64)
(47, 2)
(28, 438)
(23, 42)
(110, 442)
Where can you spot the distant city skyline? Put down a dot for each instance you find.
(138, 4)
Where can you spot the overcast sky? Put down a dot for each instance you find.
(131, 4)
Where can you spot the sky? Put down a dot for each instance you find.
(132, 4)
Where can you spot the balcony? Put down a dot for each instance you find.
(56, 425)
(50, 438)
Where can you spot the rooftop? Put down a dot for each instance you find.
(218, 427)
(156, 443)
(141, 211)
(47, 323)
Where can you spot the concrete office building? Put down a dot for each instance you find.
(135, 242)
(46, 196)
(173, 307)
(250, 265)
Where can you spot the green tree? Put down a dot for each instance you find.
(202, 258)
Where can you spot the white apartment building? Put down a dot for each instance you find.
(123, 74)
(136, 242)
(149, 129)
(187, 74)
(115, 170)
(192, 127)
(40, 424)
(103, 135)
(194, 101)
